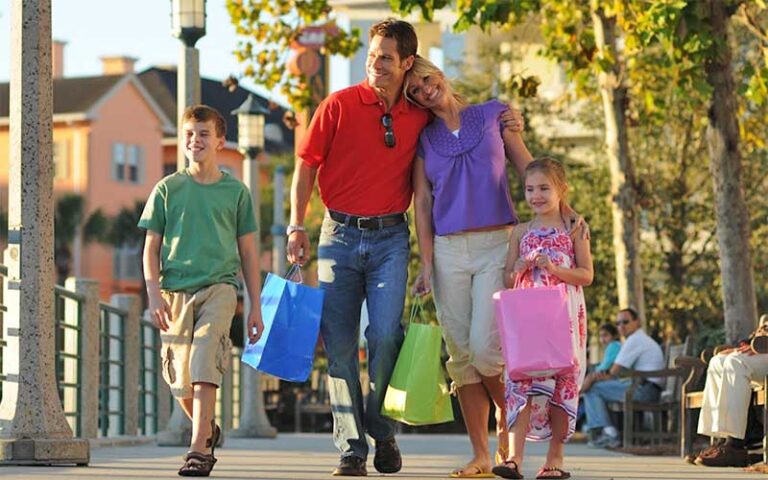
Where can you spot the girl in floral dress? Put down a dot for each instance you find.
(543, 252)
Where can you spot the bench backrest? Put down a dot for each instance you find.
(671, 352)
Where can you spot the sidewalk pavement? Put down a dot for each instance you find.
(312, 456)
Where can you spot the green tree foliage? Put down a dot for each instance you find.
(69, 219)
(124, 227)
(698, 36)
(267, 28)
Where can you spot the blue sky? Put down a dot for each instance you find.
(136, 28)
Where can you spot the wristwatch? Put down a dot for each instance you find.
(294, 228)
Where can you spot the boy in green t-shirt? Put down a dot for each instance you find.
(201, 230)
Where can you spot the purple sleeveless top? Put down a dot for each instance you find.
(468, 173)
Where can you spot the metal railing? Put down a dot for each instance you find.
(149, 369)
(68, 314)
(235, 367)
(3, 309)
(228, 397)
(112, 370)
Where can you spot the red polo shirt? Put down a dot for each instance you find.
(357, 173)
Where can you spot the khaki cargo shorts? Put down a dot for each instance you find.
(196, 346)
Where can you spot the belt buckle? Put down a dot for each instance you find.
(359, 224)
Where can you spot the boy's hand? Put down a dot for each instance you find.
(159, 310)
(255, 325)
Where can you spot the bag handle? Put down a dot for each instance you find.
(294, 273)
(417, 311)
(518, 280)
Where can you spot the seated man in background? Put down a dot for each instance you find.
(610, 340)
(727, 395)
(640, 353)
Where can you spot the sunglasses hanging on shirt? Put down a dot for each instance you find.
(389, 134)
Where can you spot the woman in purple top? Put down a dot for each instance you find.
(464, 216)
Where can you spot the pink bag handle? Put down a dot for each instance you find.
(518, 280)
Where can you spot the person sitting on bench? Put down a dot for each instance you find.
(726, 399)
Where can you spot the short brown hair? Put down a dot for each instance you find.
(204, 113)
(401, 31)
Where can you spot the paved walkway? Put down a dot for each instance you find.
(311, 456)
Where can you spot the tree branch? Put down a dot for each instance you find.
(749, 21)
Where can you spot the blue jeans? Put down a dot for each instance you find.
(613, 391)
(356, 265)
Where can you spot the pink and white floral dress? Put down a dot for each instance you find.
(561, 390)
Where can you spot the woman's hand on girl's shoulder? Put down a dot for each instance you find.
(579, 228)
(575, 223)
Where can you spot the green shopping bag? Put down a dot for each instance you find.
(417, 393)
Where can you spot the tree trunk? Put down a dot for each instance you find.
(626, 237)
(739, 301)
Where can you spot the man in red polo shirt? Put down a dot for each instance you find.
(360, 145)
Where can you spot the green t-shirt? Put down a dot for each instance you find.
(200, 225)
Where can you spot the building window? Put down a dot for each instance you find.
(169, 169)
(135, 163)
(60, 159)
(127, 262)
(118, 162)
(127, 163)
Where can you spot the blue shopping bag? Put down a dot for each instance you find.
(291, 313)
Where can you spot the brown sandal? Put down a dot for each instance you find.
(197, 464)
(215, 439)
(508, 469)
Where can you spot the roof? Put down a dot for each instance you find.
(70, 95)
(161, 84)
(81, 94)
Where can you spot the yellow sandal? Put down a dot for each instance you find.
(471, 470)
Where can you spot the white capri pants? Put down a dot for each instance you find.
(468, 269)
(727, 393)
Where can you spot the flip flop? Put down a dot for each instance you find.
(471, 470)
(507, 470)
(560, 473)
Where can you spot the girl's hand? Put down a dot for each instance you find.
(542, 261)
(521, 265)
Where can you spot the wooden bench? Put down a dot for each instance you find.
(313, 400)
(270, 387)
(692, 395)
(663, 413)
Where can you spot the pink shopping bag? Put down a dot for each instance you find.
(535, 330)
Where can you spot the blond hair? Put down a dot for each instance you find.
(423, 68)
